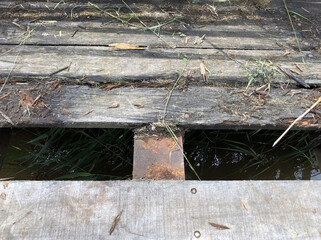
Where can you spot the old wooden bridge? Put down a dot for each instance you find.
(159, 67)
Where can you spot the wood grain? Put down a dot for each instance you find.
(104, 64)
(161, 210)
(206, 107)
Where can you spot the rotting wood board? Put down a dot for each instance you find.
(87, 57)
(103, 64)
(278, 210)
(192, 107)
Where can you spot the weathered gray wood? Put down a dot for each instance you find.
(107, 65)
(160, 210)
(241, 35)
(194, 107)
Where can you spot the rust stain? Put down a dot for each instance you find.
(155, 144)
(162, 171)
(158, 158)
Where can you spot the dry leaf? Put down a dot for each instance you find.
(26, 101)
(245, 94)
(139, 105)
(5, 95)
(116, 220)
(90, 111)
(218, 226)
(124, 46)
(114, 105)
(243, 204)
(5, 185)
(204, 70)
(295, 71)
(3, 196)
(300, 68)
(286, 53)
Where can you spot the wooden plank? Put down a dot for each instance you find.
(5, 134)
(161, 210)
(192, 107)
(157, 155)
(240, 35)
(103, 64)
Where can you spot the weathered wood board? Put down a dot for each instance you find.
(241, 35)
(160, 210)
(192, 107)
(103, 64)
(229, 40)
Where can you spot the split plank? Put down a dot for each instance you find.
(194, 107)
(240, 35)
(160, 210)
(104, 64)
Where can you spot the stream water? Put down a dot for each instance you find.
(215, 155)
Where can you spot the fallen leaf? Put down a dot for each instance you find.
(114, 105)
(89, 112)
(295, 71)
(204, 71)
(243, 204)
(286, 53)
(218, 226)
(5, 185)
(5, 95)
(3, 196)
(124, 46)
(139, 105)
(26, 101)
(116, 220)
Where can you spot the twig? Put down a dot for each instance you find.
(6, 117)
(58, 71)
(74, 33)
(174, 137)
(296, 120)
(295, 35)
(171, 92)
(37, 98)
(290, 74)
(5, 95)
(14, 64)
(116, 220)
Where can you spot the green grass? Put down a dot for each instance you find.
(76, 154)
(235, 155)
(260, 71)
(106, 154)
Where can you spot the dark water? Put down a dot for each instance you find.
(248, 155)
(215, 155)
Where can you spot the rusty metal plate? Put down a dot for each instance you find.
(158, 158)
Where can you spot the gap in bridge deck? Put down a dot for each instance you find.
(107, 154)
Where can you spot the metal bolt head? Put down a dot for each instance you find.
(197, 234)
